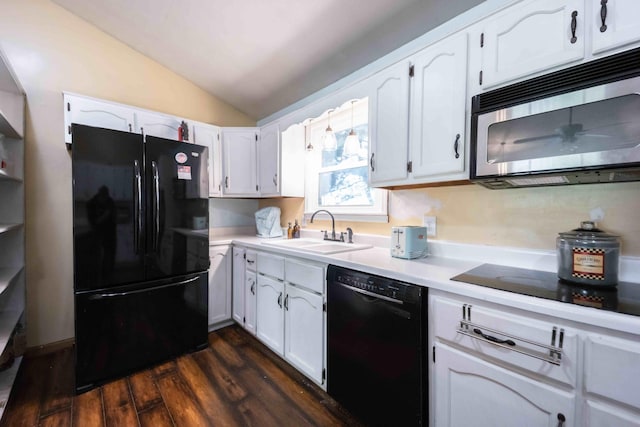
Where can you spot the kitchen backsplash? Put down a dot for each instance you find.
(526, 217)
(232, 212)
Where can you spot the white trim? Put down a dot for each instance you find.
(346, 217)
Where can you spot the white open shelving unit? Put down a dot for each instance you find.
(12, 241)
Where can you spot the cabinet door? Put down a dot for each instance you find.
(615, 23)
(532, 37)
(250, 301)
(219, 284)
(304, 331)
(612, 368)
(240, 160)
(438, 99)
(270, 322)
(159, 125)
(472, 392)
(389, 125)
(239, 284)
(209, 136)
(93, 112)
(268, 160)
(599, 414)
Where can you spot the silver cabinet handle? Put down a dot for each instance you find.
(280, 300)
(275, 179)
(574, 26)
(371, 163)
(455, 146)
(561, 419)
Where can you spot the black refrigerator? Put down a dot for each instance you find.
(140, 242)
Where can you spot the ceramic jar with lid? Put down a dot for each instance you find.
(588, 256)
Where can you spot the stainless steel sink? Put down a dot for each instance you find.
(316, 245)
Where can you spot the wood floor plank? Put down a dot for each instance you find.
(214, 407)
(118, 406)
(219, 375)
(225, 351)
(236, 381)
(158, 416)
(57, 419)
(183, 408)
(23, 408)
(144, 390)
(59, 388)
(166, 368)
(234, 335)
(88, 409)
(279, 405)
(255, 413)
(315, 402)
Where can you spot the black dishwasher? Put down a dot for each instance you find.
(376, 336)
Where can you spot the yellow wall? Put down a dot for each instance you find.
(525, 218)
(52, 51)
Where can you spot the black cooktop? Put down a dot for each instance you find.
(622, 298)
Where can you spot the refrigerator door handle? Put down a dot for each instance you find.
(156, 205)
(137, 291)
(137, 203)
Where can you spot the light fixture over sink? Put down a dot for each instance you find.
(352, 143)
(329, 142)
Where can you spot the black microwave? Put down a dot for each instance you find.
(575, 126)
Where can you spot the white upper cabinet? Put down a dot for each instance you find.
(531, 37)
(239, 148)
(209, 136)
(268, 160)
(417, 117)
(161, 126)
(389, 125)
(615, 24)
(96, 112)
(438, 99)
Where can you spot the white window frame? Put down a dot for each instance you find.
(340, 119)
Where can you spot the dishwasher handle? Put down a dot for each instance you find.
(370, 294)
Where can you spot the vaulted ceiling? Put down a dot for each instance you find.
(261, 56)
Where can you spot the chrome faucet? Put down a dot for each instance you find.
(333, 225)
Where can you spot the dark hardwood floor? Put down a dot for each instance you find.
(237, 381)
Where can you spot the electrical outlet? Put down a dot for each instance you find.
(430, 223)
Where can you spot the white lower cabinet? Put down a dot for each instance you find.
(290, 315)
(270, 323)
(250, 302)
(219, 284)
(304, 336)
(494, 365)
(238, 281)
(470, 391)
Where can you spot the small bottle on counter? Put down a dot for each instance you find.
(296, 230)
(290, 232)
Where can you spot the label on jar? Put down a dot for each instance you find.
(588, 263)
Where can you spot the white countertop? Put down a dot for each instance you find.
(447, 260)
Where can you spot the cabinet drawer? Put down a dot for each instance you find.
(250, 258)
(524, 340)
(612, 368)
(271, 265)
(303, 274)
